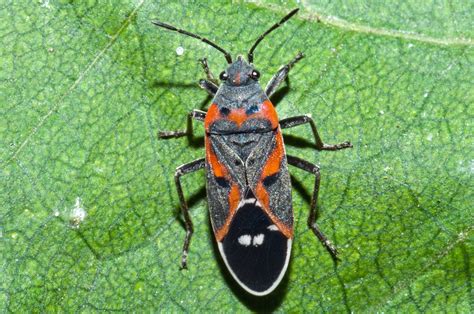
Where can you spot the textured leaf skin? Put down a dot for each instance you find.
(86, 85)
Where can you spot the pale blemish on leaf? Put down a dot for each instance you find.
(78, 214)
(180, 51)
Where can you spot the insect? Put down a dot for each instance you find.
(248, 183)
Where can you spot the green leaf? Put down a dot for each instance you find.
(89, 215)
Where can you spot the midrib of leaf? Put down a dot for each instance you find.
(337, 22)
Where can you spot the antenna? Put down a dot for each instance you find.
(207, 41)
(283, 20)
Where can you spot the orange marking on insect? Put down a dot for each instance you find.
(268, 112)
(273, 163)
(238, 116)
(263, 198)
(237, 78)
(271, 167)
(234, 199)
(222, 232)
(262, 195)
(217, 168)
(287, 231)
(212, 115)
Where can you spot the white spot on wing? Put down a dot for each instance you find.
(249, 201)
(258, 239)
(245, 240)
(272, 228)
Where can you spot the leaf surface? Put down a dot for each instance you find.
(89, 216)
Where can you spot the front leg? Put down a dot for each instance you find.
(210, 85)
(180, 171)
(210, 77)
(298, 120)
(281, 75)
(195, 114)
(313, 211)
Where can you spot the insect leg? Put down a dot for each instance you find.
(210, 77)
(313, 212)
(195, 114)
(209, 87)
(298, 120)
(281, 75)
(180, 171)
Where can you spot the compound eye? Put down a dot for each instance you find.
(224, 76)
(255, 74)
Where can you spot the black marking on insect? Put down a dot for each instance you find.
(248, 183)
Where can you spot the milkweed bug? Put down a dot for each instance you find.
(248, 184)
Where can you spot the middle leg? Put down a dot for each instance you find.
(195, 114)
